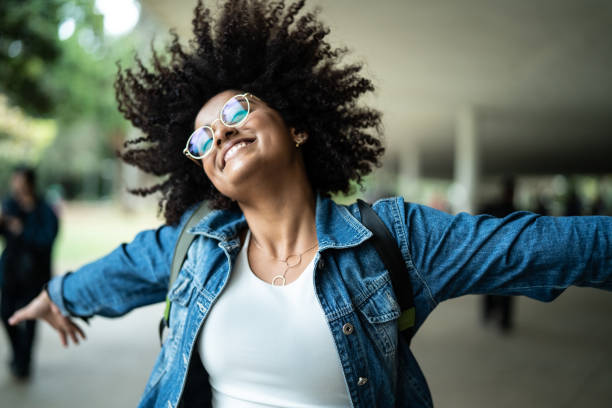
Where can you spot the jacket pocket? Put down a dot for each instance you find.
(180, 296)
(181, 290)
(381, 312)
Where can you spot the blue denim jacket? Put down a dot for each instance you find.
(447, 256)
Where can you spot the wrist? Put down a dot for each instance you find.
(54, 290)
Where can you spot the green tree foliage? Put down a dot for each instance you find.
(30, 47)
(68, 80)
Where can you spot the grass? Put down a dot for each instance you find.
(89, 230)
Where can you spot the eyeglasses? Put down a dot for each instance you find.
(233, 114)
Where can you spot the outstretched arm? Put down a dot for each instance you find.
(132, 275)
(521, 254)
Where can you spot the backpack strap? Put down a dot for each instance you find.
(389, 252)
(180, 252)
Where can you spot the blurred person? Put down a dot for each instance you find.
(573, 202)
(599, 203)
(29, 227)
(282, 300)
(543, 204)
(599, 206)
(499, 308)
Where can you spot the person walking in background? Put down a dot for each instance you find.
(29, 227)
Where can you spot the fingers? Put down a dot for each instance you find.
(42, 307)
(37, 308)
(80, 331)
(63, 339)
(67, 325)
(74, 332)
(19, 316)
(67, 330)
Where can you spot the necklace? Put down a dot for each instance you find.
(290, 261)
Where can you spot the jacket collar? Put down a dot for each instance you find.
(336, 225)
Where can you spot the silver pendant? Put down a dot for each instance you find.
(278, 280)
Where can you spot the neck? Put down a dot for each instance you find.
(283, 221)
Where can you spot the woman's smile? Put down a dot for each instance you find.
(232, 149)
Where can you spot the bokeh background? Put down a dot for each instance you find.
(473, 92)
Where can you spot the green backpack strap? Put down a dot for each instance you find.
(180, 252)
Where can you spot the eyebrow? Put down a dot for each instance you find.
(204, 124)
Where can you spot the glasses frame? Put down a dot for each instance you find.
(246, 96)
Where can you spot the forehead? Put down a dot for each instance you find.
(211, 108)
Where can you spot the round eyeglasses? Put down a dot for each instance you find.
(233, 114)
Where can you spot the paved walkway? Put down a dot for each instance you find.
(560, 356)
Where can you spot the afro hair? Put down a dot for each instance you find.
(274, 51)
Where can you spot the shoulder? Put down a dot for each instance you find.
(45, 208)
(399, 214)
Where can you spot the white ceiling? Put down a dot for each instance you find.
(538, 74)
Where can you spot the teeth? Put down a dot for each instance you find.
(234, 149)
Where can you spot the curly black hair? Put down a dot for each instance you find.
(272, 51)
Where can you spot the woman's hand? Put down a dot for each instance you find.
(43, 308)
(14, 225)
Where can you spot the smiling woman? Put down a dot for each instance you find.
(272, 52)
(256, 146)
(282, 299)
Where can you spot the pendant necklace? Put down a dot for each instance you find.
(290, 261)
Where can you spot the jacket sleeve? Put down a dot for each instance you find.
(521, 254)
(133, 275)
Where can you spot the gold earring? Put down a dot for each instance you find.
(298, 143)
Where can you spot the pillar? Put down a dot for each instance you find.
(467, 161)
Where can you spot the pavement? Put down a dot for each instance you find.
(559, 355)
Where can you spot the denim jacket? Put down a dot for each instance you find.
(446, 256)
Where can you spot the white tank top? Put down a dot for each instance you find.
(270, 346)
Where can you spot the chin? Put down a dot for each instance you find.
(236, 177)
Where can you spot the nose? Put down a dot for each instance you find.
(222, 132)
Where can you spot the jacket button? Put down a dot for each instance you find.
(321, 264)
(362, 381)
(347, 328)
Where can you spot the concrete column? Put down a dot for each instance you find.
(409, 171)
(467, 161)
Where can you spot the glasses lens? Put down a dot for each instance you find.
(200, 142)
(235, 111)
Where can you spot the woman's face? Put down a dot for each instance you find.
(260, 149)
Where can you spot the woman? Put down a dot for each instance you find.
(281, 296)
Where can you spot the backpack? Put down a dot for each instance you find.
(383, 242)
